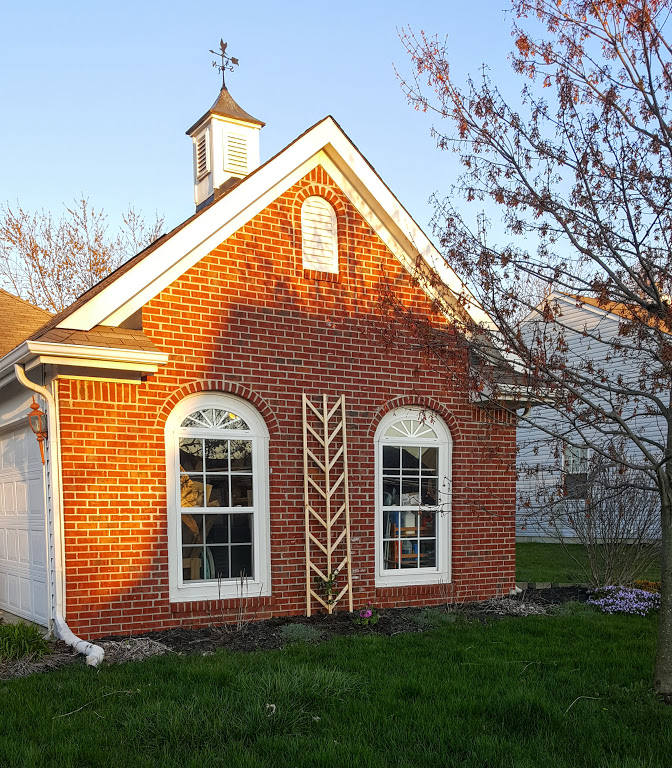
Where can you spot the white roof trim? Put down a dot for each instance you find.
(324, 144)
(34, 353)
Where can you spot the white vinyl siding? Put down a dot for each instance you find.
(320, 240)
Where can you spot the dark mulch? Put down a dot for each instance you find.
(268, 635)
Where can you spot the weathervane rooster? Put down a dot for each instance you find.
(227, 62)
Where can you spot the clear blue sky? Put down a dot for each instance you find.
(96, 97)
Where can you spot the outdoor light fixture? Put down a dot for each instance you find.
(37, 419)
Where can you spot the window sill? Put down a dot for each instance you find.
(406, 579)
(227, 590)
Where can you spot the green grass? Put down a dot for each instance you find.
(566, 690)
(20, 640)
(539, 562)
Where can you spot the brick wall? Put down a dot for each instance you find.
(247, 320)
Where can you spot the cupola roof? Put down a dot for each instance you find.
(226, 106)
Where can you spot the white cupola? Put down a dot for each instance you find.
(226, 148)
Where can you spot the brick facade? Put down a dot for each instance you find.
(247, 320)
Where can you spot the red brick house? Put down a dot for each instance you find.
(185, 475)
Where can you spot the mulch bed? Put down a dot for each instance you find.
(268, 635)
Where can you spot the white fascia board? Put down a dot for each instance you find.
(169, 261)
(67, 352)
(34, 353)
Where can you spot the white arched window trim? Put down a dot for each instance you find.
(179, 589)
(320, 235)
(438, 436)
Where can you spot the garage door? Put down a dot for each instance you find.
(23, 562)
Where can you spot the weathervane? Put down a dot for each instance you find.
(227, 62)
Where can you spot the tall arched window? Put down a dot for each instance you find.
(217, 470)
(413, 498)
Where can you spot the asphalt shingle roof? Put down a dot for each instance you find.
(19, 320)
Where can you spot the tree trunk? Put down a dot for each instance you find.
(663, 675)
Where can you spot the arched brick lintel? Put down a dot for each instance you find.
(226, 387)
(417, 401)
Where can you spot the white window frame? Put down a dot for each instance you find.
(332, 267)
(260, 585)
(441, 573)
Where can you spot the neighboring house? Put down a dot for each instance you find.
(553, 477)
(185, 480)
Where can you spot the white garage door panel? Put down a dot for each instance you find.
(23, 561)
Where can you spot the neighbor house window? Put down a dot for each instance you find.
(320, 241)
(575, 471)
(413, 497)
(217, 450)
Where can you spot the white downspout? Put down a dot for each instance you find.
(94, 653)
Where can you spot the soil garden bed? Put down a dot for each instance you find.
(273, 634)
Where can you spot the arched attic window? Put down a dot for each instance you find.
(217, 471)
(320, 237)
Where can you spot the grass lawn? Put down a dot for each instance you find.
(549, 562)
(566, 690)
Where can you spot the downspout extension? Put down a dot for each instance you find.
(94, 653)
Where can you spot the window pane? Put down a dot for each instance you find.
(391, 457)
(216, 529)
(427, 525)
(391, 524)
(217, 563)
(409, 525)
(409, 554)
(241, 455)
(241, 529)
(410, 493)
(410, 460)
(241, 491)
(241, 561)
(428, 553)
(218, 490)
(191, 454)
(232, 421)
(192, 563)
(390, 491)
(430, 457)
(192, 529)
(216, 455)
(430, 495)
(191, 490)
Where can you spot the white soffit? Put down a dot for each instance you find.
(325, 145)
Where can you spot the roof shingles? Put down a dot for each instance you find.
(19, 319)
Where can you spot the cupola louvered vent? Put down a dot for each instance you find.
(320, 240)
(202, 156)
(236, 156)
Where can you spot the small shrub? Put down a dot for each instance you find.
(18, 641)
(299, 633)
(648, 586)
(625, 600)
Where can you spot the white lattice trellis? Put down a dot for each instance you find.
(327, 504)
